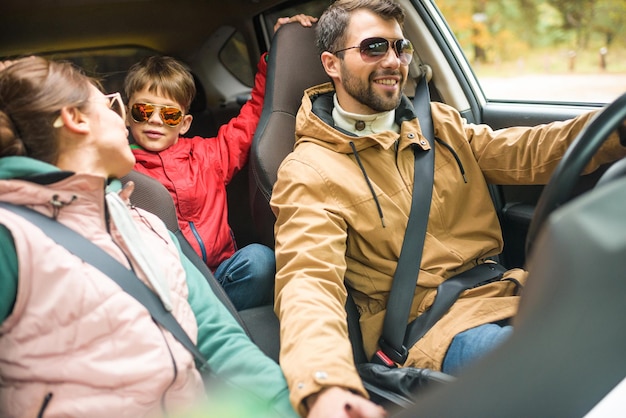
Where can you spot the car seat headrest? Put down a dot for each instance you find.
(294, 65)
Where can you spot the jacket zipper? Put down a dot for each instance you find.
(192, 226)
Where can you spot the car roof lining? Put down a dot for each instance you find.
(120, 23)
(69, 25)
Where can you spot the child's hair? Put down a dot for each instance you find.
(33, 91)
(163, 76)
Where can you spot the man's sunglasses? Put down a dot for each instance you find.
(170, 115)
(374, 49)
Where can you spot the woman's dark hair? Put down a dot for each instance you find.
(33, 91)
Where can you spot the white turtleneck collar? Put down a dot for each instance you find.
(362, 125)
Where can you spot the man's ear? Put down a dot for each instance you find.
(331, 63)
(185, 124)
(72, 119)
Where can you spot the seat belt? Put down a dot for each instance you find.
(125, 278)
(447, 293)
(396, 340)
(391, 343)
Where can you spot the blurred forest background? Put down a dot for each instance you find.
(505, 37)
(537, 50)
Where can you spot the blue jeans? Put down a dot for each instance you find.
(472, 344)
(248, 276)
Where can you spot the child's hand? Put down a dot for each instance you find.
(305, 20)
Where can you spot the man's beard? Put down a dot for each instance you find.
(365, 94)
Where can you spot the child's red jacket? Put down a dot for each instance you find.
(196, 171)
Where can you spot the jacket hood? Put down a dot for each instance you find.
(315, 124)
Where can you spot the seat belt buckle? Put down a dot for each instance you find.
(388, 354)
(381, 358)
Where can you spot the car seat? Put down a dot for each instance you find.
(260, 323)
(151, 195)
(294, 65)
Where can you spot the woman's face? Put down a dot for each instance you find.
(109, 135)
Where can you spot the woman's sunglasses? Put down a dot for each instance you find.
(170, 115)
(113, 101)
(374, 49)
(116, 104)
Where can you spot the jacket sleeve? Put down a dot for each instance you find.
(254, 379)
(525, 155)
(235, 138)
(311, 239)
(8, 273)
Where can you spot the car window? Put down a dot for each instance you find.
(108, 65)
(234, 56)
(543, 50)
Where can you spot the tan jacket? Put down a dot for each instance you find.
(76, 344)
(329, 231)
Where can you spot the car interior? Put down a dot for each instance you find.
(221, 45)
(567, 351)
(551, 298)
(293, 46)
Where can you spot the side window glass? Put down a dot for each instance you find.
(107, 65)
(543, 50)
(234, 56)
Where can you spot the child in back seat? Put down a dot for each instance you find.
(196, 171)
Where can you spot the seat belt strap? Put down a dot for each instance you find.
(447, 293)
(125, 278)
(407, 271)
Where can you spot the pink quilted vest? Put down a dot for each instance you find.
(76, 345)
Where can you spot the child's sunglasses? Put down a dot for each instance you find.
(170, 115)
(374, 49)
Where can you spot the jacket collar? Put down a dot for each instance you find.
(26, 181)
(361, 125)
(315, 123)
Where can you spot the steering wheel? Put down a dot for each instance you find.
(560, 188)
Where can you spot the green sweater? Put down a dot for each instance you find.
(255, 384)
